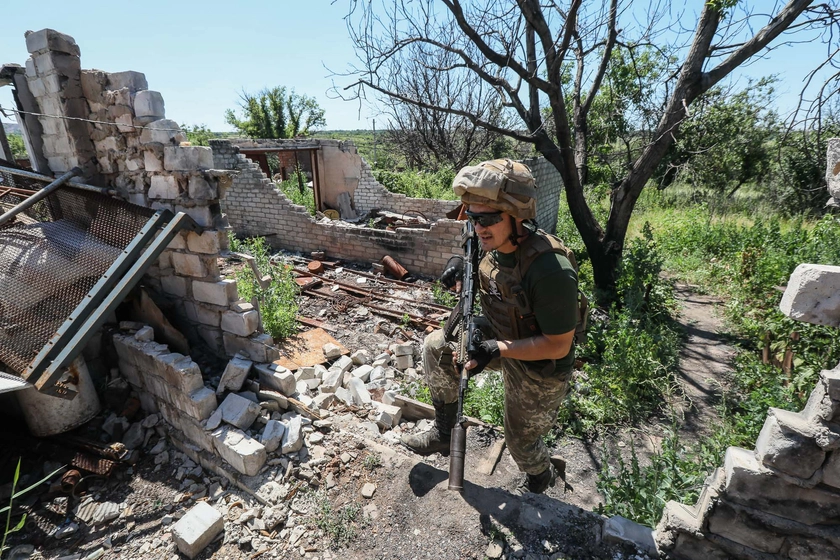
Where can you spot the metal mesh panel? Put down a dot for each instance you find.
(50, 258)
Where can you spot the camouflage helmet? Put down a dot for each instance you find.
(502, 184)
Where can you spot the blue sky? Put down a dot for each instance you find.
(200, 55)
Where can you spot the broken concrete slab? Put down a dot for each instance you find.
(621, 530)
(272, 435)
(361, 396)
(786, 443)
(363, 372)
(199, 526)
(293, 436)
(331, 350)
(813, 295)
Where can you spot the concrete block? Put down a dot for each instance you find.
(50, 39)
(831, 377)
(199, 526)
(740, 527)
(402, 349)
(813, 295)
(272, 435)
(234, 375)
(186, 264)
(404, 362)
(202, 403)
(164, 187)
(200, 189)
(187, 158)
(178, 242)
(276, 378)
(621, 530)
(134, 81)
(206, 242)
(243, 324)
(279, 398)
(244, 453)
(217, 293)
(323, 400)
(258, 347)
(820, 408)
(293, 436)
(200, 214)
(149, 104)
(239, 411)
(387, 416)
(164, 132)
(331, 381)
(750, 484)
(344, 363)
(362, 372)
(361, 396)
(200, 313)
(180, 371)
(786, 443)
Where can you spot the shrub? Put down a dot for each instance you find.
(418, 184)
(277, 302)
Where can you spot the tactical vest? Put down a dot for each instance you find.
(503, 300)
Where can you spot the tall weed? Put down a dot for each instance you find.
(277, 303)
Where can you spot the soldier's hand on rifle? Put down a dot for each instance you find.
(452, 272)
(485, 352)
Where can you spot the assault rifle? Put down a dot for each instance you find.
(466, 348)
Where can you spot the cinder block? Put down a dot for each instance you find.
(199, 526)
(243, 324)
(149, 104)
(201, 189)
(276, 378)
(740, 527)
(206, 242)
(234, 375)
(786, 443)
(239, 411)
(188, 265)
(164, 132)
(218, 293)
(164, 187)
(50, 39)
(244, 453)
(187, 158)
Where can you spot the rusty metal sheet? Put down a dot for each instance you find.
(93, 464)
(305, 349)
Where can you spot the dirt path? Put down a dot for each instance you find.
(704, 359)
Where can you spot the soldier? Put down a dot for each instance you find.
(528, 293)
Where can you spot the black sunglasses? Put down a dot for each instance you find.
(484, 219)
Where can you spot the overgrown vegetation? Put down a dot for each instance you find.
(437, 184)
(277, 303)
(291, 187)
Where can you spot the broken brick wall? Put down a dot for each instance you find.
(256, 207)
(126, 142)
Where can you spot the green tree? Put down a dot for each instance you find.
(198, 134)
(276, 113)
(17, 146)
(526, 50)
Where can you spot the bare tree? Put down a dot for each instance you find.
(547, 61)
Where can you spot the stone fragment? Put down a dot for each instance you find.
(239, 411)
(164, 131)
(52, 40)
(331, 381)
(344, 395)
(368, 490)
(813, 295)
(362, 372)
(361, 396)
(272, 435)
(293, 436)
(234, 375)
(276, 378)
(344, 363)
(331, 350)
(360, 357)
(199, 526)
(387, 416)
(131, 80)
(323, 400)
(404, 362)
(621, 530)
(402, 349)
(145, 334)
(200, 189)
(494, 550)
(279, 398)
(244, 453)
(134, 437)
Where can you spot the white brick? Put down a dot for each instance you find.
(234, 375)
(217, 293)
(187, 158)
(149, 104)
(244, 453)
(242, 324)
(188, 265)
(206, 242)
(163, 187)
(199, 526)
(276, 378)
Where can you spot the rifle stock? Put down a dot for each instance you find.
(466, 348)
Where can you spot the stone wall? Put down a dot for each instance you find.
(256, 207)
(128, 144)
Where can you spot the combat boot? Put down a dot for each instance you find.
(537, 483)
(436, 439)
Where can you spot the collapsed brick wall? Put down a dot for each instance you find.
(133, 148)
(370, 195)
(255, 207)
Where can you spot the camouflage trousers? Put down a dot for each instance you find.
(531, 399)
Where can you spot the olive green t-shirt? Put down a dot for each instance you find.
(551, 285)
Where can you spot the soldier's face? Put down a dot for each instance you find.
(496, 236)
